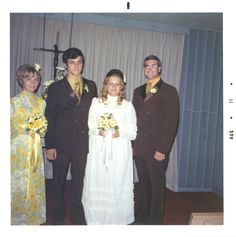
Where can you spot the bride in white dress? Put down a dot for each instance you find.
(108, 196)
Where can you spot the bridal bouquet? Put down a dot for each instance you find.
(37, 123)
(107, 122)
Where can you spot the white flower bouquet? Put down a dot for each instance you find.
(107, 122)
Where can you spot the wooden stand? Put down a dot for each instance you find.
(206, 218)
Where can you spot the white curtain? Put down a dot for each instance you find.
(105, 47)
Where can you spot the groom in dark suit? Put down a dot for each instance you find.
(66, 140)
(157, 108)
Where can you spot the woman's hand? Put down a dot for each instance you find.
(102, 133)
(115, 134)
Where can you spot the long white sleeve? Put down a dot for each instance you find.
(124, 114)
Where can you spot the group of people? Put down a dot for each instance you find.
(98, 136)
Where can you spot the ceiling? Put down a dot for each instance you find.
(209, 21)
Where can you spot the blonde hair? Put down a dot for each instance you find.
(104, 91)
(25, 71)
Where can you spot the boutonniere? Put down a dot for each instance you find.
(86, 88)
(153, 90)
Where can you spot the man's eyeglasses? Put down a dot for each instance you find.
(151, 66)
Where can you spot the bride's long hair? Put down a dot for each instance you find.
(104, 91)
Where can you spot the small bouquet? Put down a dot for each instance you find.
(107, 122)
(37, 123)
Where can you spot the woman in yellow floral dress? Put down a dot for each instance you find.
(28, 123)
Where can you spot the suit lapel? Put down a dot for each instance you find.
(143, 91)
(84, 91)
(148, 97)
(156, 88)
(68, 91)
(74, 96)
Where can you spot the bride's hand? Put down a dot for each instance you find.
(102, 133)
(115, 134)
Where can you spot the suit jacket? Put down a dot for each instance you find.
(68, 116)
(157, 119)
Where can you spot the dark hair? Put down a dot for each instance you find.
(72, 53)
(153, 57)
(116, 72)
(25, 71)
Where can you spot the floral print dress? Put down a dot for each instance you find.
(28, 205)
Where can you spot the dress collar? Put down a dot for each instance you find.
(27, 93)
(112, 98)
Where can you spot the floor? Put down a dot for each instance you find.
(179, 205)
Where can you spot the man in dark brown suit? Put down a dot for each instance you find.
(157, 107)
(66, 140)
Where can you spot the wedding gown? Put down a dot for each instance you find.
(108, 184)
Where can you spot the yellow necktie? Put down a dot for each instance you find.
(76, 88)
(148, 88)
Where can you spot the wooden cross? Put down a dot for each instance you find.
(56, 52)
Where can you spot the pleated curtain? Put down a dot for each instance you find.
(105, 47)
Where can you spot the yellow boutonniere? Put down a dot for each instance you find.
(153, 90)
(86, 88)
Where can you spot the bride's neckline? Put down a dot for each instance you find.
(112, 98)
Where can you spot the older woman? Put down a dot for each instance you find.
(108, 183)
(27, 170)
